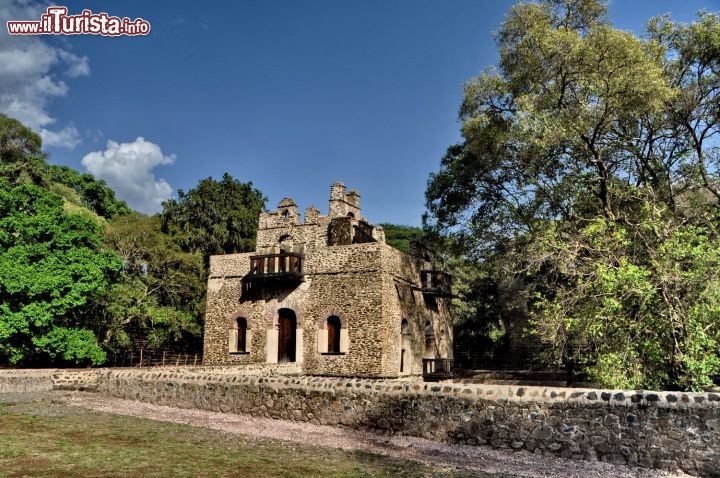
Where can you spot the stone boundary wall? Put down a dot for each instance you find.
(664, 430)
(26, 380)
(89, 380)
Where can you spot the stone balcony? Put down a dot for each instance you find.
(435, 283)
(437, 369)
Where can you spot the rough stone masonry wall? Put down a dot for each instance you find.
(23, 380)
(403, 299)
(224, 289)
(345, 281)
(355, 299)
(665, 430)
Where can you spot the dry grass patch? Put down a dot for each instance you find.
(47, 439)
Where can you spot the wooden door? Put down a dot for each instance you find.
(286, 335)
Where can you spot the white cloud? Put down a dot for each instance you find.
(77, 66)
(30, 75)
(95, 135)
(127, 168)
(68, 137)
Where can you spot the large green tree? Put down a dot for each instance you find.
(21, 157)
(160, 296)
(589, 171)
(215, 217)
(52, 269)
(22, 161)
(400, 236)
(92, 193)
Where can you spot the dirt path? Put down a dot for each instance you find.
(499, 462)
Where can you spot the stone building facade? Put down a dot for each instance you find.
(328, 293)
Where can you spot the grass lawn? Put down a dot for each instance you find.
(47, 439)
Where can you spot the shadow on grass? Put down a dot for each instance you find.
(43, 438)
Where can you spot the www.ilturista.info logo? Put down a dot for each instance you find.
(57, 22)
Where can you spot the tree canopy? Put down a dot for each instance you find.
(400, 237)
(94, 194)
(589, 170)
(83, 275)
(22, 161)
(215, 217)
(159, 299)
(52, 268)
(21, 157)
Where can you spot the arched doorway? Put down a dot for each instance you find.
(430, 345)
(287, 326)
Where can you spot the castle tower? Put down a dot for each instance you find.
(344, 204)
(328, 296)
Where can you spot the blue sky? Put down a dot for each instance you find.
(291, 95)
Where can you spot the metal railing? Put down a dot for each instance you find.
(153, 358)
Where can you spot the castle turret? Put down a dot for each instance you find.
(344, 204)
(288, 210)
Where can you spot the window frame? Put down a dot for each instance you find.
(239, 337)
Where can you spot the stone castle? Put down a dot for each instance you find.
(330, 295)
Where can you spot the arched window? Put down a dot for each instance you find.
(333, 334)
(239, 338)
(286, 245)
(405, 346)
(430, 345)
(286, 242)
(241, 335)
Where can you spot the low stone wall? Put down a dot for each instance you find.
(665, 430)
(85, 380)
(26, 380)
(89, 380)
(648, 429)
